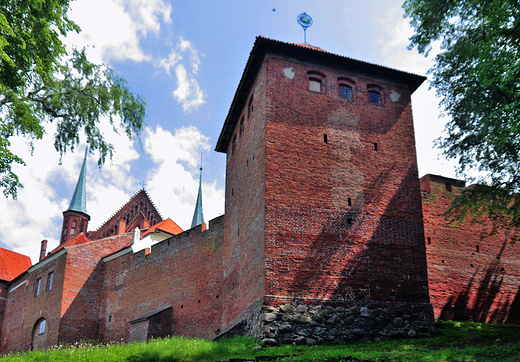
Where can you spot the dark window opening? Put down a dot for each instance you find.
(199, 301)
(182, 306)
(250, 107)
(478, 248)
(325, 138)
(375, 146)
(110, 317)
(241, 126)
(448, 187)
(238, 231)
(471, 265)
(349, 220)
(374, 97)
(217, 296)
(345, 91)
(349, 201)
(429, 240)
(231, 192)
(443, 261)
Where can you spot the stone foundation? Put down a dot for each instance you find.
(317, 324)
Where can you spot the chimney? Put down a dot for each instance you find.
(43, 250)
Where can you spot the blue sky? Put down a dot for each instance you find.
(186, 59)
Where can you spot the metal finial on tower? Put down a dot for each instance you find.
(305, 21)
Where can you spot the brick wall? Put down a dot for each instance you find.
(244, 235)
(469, 278)
(343, 215)
(183, 272)
(82, 288)
(24, 313)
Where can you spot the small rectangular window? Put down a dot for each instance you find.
(375, 146)
(315, 85)
(37, 287)
(345, 91)
(50, 279)
(325, 138)
(110, 318)
(374, 97)
(349, 201)
(119, 279)
(448, 187)
(41, 330)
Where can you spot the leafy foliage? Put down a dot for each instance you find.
(41, 83)
(477, 75)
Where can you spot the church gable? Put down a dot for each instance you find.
(139, 212)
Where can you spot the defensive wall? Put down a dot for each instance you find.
(470, 277)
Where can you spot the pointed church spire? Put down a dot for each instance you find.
(79, 199)
(198, 215)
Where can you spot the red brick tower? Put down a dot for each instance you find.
(323, 203)
(75, 218)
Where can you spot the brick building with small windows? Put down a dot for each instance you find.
(324, 211)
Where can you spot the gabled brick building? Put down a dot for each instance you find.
(323, 211)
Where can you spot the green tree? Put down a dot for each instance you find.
(477, 77)
(41, 83)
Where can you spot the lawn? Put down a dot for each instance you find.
(453, 341)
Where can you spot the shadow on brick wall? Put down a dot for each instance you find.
(482, 303)
(378, 257)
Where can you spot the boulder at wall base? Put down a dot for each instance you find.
(298, 324)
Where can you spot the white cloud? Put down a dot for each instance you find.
(185, 59)
(173, 181)
(115, 27)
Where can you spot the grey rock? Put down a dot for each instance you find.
(299, 318)
(269, 317)
(288, 308)
(288, 317)
(301, 308)
(365, 312)
(285, 328)
(257, 348)
(269, 342)
(412, 333)
(302, 331)
(311, 341)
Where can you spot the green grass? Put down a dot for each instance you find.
(453, 341)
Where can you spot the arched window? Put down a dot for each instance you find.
(375, 94)
(41, 326)
(316, 80)
(345, 87)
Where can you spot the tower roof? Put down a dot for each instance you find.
(306, 53)
(79, 199)
(198, 215)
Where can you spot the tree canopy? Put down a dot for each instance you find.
(40, 83)
(477, 77)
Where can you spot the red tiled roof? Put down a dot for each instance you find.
(12, 264)
(77, 240)
(168, 226)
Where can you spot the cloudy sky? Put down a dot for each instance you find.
(186, 58)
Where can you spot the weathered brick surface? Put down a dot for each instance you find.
(244, 228)
(183, 272)
(317, 245)
(69, 308)
(469, 278)
(322, 195)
